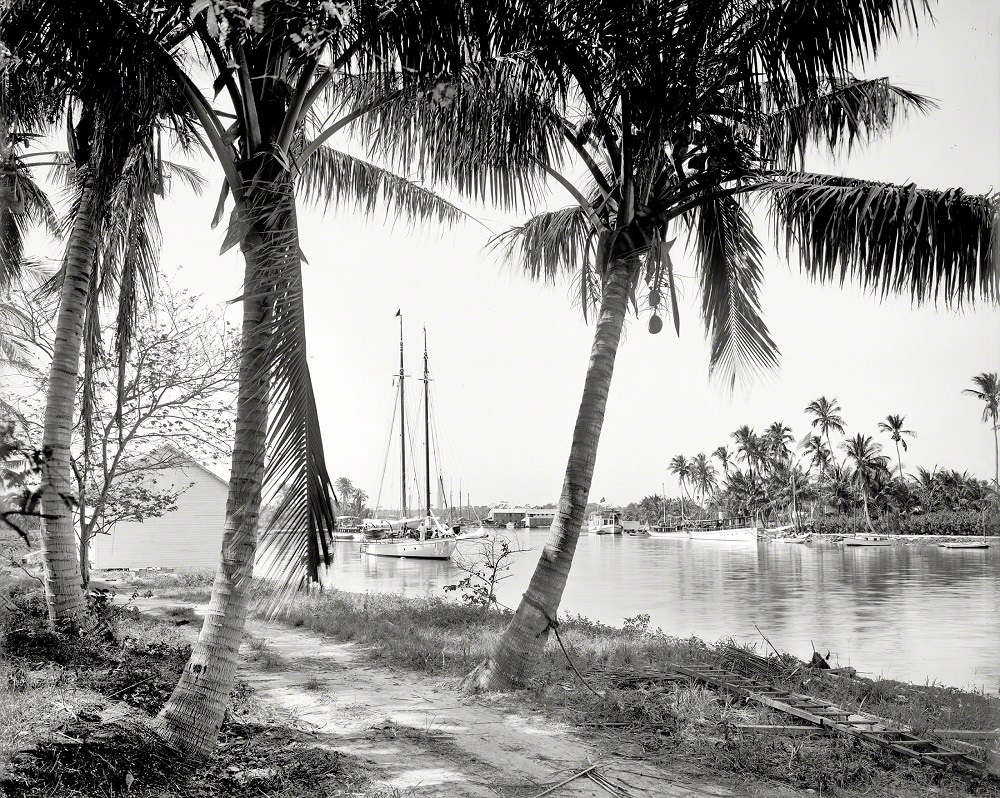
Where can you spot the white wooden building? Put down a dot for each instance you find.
(186, 539)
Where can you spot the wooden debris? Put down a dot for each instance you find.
(564, 782)
(832, 719)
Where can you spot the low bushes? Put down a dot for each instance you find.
(950, 523)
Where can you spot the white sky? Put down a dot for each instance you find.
(509, 356)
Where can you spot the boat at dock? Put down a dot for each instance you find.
(604, 522)
(423, 537)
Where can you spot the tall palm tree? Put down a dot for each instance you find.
(282, 66)
(988, 391)
(826, 416)
(894, 426)
(681, 112)
(110, 139)
(703, 476)
(869, 468)
(681, 468)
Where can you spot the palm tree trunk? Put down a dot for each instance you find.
(64, 596)
(192, 717)
(899, 458)
(522, 643)
(996, 454)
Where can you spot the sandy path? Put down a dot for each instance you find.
(424, 738)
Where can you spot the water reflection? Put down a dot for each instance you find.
(911, 612)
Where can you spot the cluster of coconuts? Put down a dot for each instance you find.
(655, 322)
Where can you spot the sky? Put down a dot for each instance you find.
(508, 356)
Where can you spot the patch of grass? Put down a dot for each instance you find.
(194, 586)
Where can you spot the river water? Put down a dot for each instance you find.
(912, 612)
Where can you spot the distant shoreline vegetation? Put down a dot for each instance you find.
(944, 523)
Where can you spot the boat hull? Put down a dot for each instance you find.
(869, 541)
(970, 545)
(433, 549)
(744, 534)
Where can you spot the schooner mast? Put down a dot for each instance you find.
(402, 420)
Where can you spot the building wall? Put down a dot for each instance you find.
(187, 539)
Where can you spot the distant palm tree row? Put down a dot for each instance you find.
(762, 476)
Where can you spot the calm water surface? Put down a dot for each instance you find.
(910, 612)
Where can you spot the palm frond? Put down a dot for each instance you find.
(334, 177)
(849, 111)
(730, 273)
(891, 239)
(295, 476)
(548, 245)
(482, 132)
(23, 204)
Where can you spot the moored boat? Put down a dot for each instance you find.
(423, 537)
(964, 544)
(868, 540)
(604, 522)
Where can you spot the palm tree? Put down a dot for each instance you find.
(681, 112)
(894, 426)
(279, 65)
(111, 140)
(826, 416)
(988, 390)
(725, 459)
(819, 454)
(681, 468)
(703, 476)
(748, 446)
(870, 468)
(776, 439)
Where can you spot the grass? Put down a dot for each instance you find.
(653, 721)
(57, 739)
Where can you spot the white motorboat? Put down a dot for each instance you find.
(743, 534)
(964, 544)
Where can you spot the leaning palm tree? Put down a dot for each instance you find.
(893, 425)
(826, 417)
(680, 113)
(988, 391)
(870, 467)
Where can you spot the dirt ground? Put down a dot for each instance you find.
(424, 738)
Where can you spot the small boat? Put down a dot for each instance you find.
(604, 522)
(868, 540)
(477, 533)
(805, 537)
(964, 544)
(635, 528)
(348, 528)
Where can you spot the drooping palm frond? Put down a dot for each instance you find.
(482, 132)
(549, 245)
(295, 476)
(891, 239)
(730, 273)
(23, 205)
(797, 46)
(332, 177)
(849, 111)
